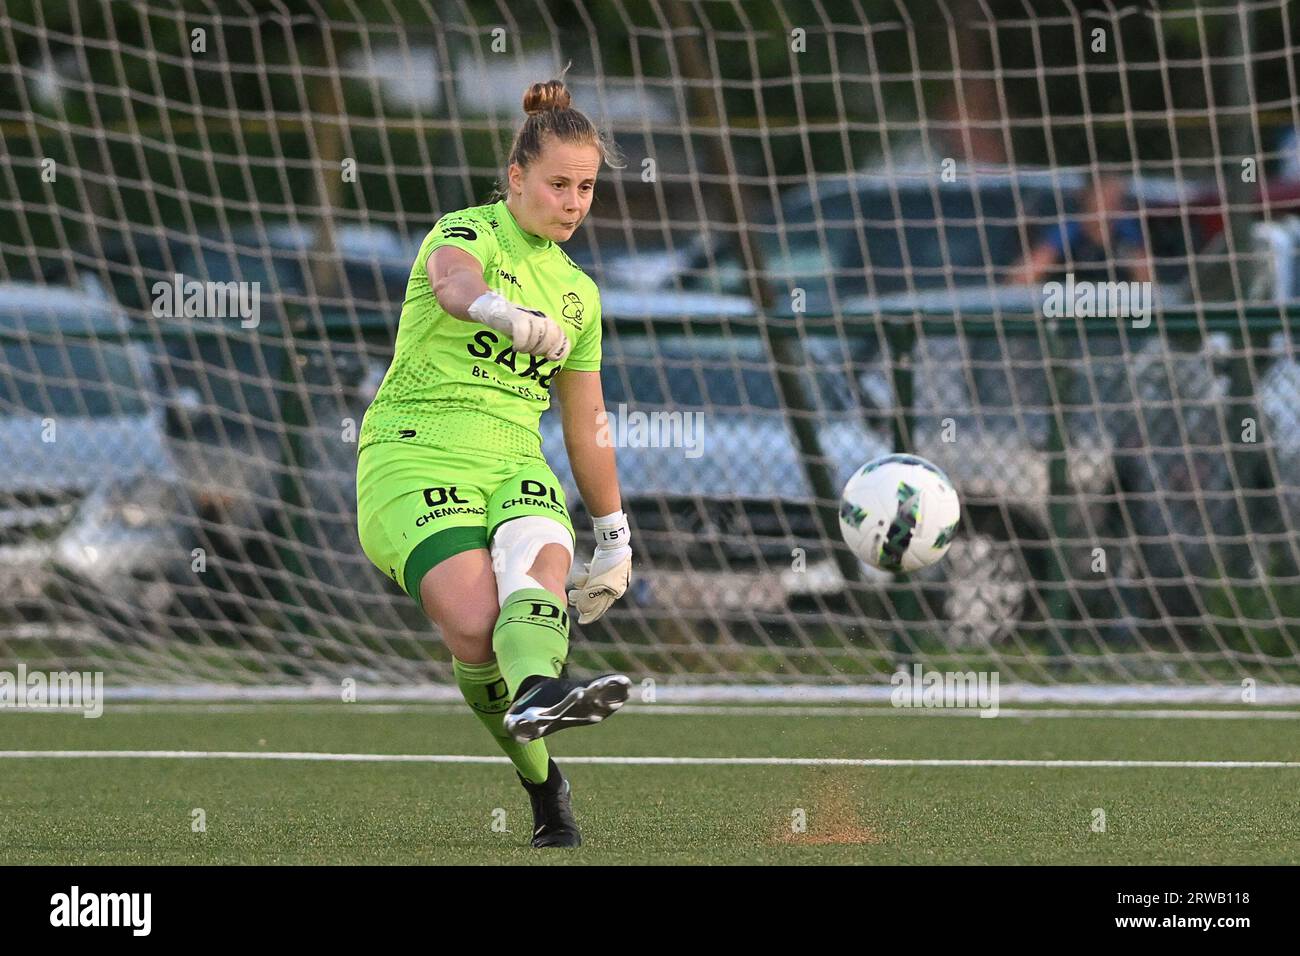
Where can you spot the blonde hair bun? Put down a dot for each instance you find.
(550, 95)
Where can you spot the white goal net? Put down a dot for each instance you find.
(1051, 247)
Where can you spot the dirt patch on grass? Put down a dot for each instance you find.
(830, 819)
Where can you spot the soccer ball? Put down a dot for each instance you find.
(899, 513)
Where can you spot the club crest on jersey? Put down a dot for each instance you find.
(573, 309)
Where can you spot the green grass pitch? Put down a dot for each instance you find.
(77, 810)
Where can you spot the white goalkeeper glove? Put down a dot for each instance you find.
(530, 331)
(609, 572)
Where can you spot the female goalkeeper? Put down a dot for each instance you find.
(454, 499)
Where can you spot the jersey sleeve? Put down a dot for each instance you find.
(464, 229)
(585, 356)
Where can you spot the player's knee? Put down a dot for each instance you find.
(474, 621)
(551, 567)
(523, 546)
(467, 631)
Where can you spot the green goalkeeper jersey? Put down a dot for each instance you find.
(459, 384)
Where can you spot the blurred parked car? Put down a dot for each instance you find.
(940, 249)
(715, 489)
(247, 400)
(89, 494)
(873, 236)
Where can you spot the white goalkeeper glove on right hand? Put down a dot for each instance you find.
(607, 576)
(530, 331)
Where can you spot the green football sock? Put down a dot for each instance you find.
(531, 636)
(485, 692)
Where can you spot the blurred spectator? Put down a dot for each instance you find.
(1102, 243)
(1288, 160)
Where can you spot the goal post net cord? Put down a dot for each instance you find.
(1050, 250)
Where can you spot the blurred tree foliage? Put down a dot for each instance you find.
(162, 135)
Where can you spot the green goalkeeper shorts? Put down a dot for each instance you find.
(417, 506)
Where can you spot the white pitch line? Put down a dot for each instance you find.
(649, 761)
(1064, 695)
(739, 710)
